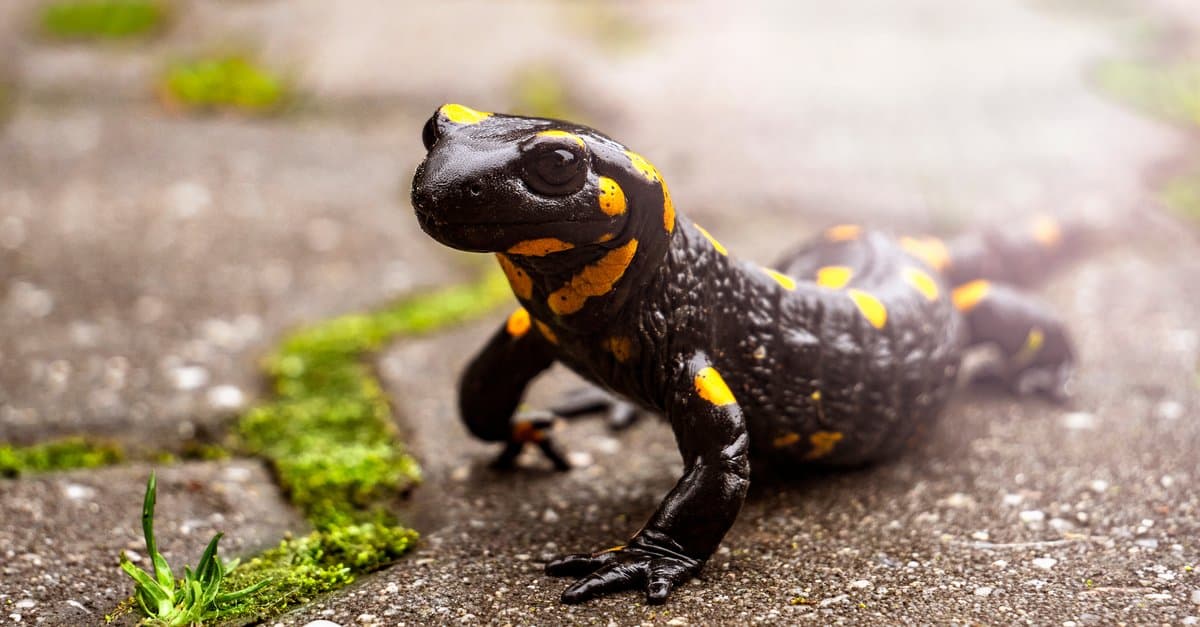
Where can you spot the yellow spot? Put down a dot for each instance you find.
(518, 323)
(786, 281)
(871, 308)
(712, 240)
(931, 250)
(620, 347)
(834, 276)
(786, 439)
(546, 331)
(1033, 344)
(463, 115)
(711, 387)
(843, 232)
(968, 295)
(1046, 231)
(614, 549)
(816, 395)
(540, 247)
(607, 237)
(640, 164)
(558, 133)
(521, 284)
(668, 209)
(922, 282)
(822, 443)
(612, 199)
(648, 170)
(594, 280)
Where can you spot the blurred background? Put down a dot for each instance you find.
(182, 181)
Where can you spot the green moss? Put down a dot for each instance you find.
(299, 569)
(332, 441)
(330, 435)
(1168, 91)
(230, 83)
(63, 454)
(102, 19)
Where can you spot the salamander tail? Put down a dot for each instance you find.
(1020, 255)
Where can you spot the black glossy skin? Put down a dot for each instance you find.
(812, 378)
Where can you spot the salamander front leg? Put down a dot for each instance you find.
(688, 526)
(492, 385)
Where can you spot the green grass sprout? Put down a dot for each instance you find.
(102, 19)
(191, 600)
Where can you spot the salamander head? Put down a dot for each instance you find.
(532, 186)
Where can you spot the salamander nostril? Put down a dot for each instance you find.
(475, 190)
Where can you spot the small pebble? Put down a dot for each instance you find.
(24, 604)
(860, 584)
(983, 591)
(77, 492)
(226, 397)
(1169, 410)
(321, 623)
(1099, 486)
(1013, 500)
(841, 598)
(1032, 516)
(1079, 421)
(188, 377)
(981, 536)
(1196, 596)
(1044, 562)
(549, 516)
(958, 500)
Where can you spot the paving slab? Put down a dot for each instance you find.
(61, 534)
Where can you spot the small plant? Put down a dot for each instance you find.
(195, 598)
(58, 455)
(102, 19)
(230, 83)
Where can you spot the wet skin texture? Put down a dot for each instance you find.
(839, 354)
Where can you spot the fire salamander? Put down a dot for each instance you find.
(836, 354)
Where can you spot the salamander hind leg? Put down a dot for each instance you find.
(619, 413)
(1036, 354)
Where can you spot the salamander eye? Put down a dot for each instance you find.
(555, 171)
(430, 134)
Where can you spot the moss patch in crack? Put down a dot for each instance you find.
(65, 454)
(332, 442)
(1170, 91)
(103, 19)
(229, 83)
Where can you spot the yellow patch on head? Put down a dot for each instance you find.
(871, 308)
(1046, 231)
(712, 240)
(922, 282)
(558, 133)
(612, 198)
(968, 295)
(596, 279)
(668, 209)
(540, 247)
(518, 323)
(711, 387)
(463, 115)
(546, 331)
(786, 439)
(931, 250)
(834, 276)
(843, 232)
(786, 281)
(621, 347)
(521, 284)
(822, 443)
